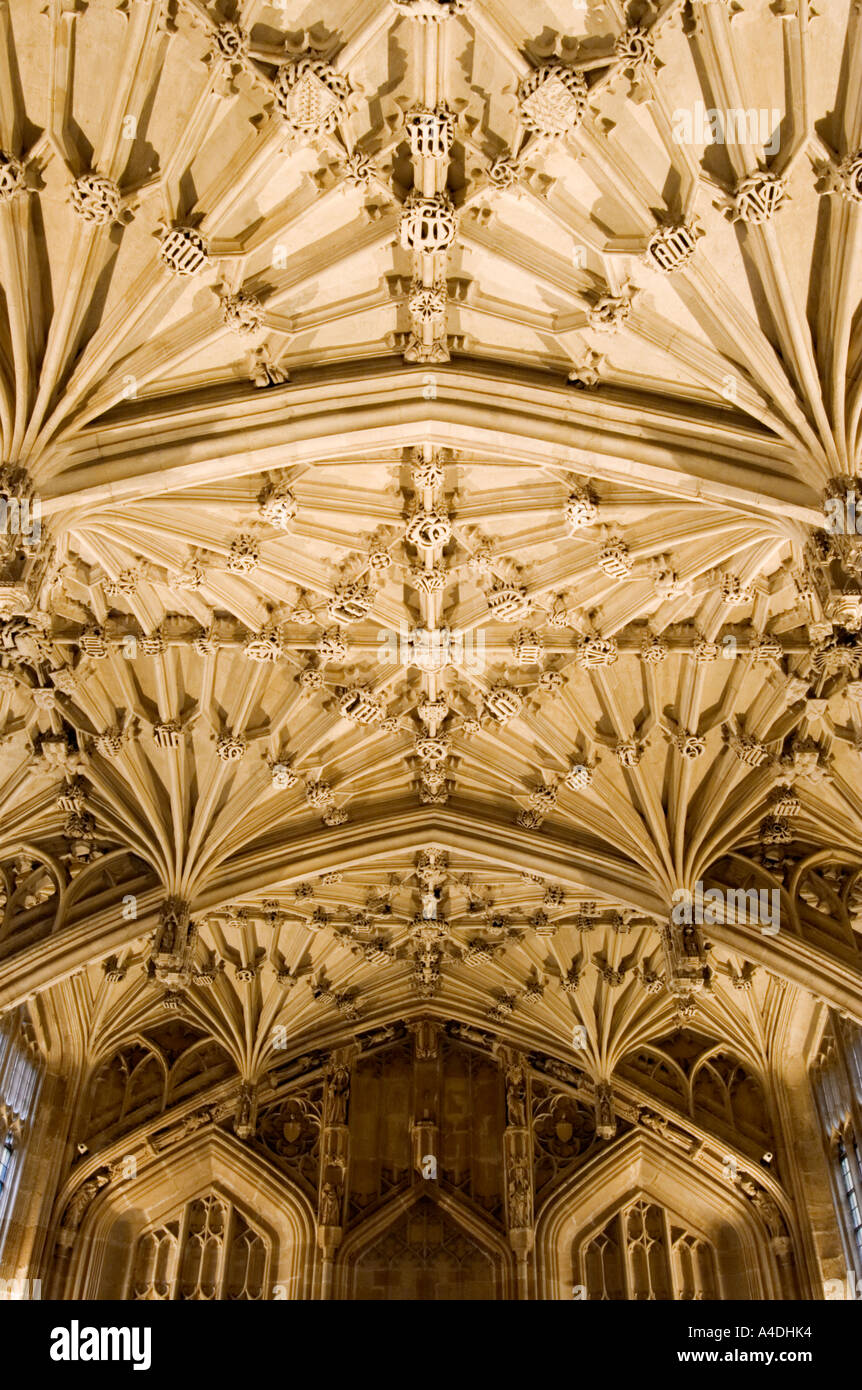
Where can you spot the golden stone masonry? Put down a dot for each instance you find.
(430, 650)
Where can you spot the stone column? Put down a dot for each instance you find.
(334, 1158)
(67, 1234)
(43, 1166)
(782, 1248)
(803, 1158)
(518, 1164)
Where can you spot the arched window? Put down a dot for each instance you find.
(836, 1077)
(645, 1253)
(20, 1074)
(851, 1176)
(6, 1159)
(208, 1252)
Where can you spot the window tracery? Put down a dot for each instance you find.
(210, 1251)
(850, 1167)
(836, 1077)
(707, 1083)
(564, 1133)
(20, 1076)
(149, 1074)
(646, 1253)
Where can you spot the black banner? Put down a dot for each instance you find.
(421, 1341)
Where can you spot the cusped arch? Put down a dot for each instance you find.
(118, 1094)
(210, 1162)
(648, 1063)
(745, 1106)
(721, 1087)
(643, 1166)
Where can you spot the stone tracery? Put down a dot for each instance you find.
(257, 638)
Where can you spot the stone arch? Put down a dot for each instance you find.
(745, 1103)
(716, 1084)
(116, 1100)
(445, 1233)
(210, 1162)
(641, 1165)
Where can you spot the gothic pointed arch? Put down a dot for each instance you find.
(209, 1167)
(425, 1244)
(430, 642)
(641, 1177)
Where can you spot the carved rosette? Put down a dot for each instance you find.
(13, 179)
(431, 11)
(96, 199)
(848, 178)
(635, 51)
(427, 305)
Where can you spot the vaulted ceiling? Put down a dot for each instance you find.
(428, 428)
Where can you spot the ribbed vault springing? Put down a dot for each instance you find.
(422, 443)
